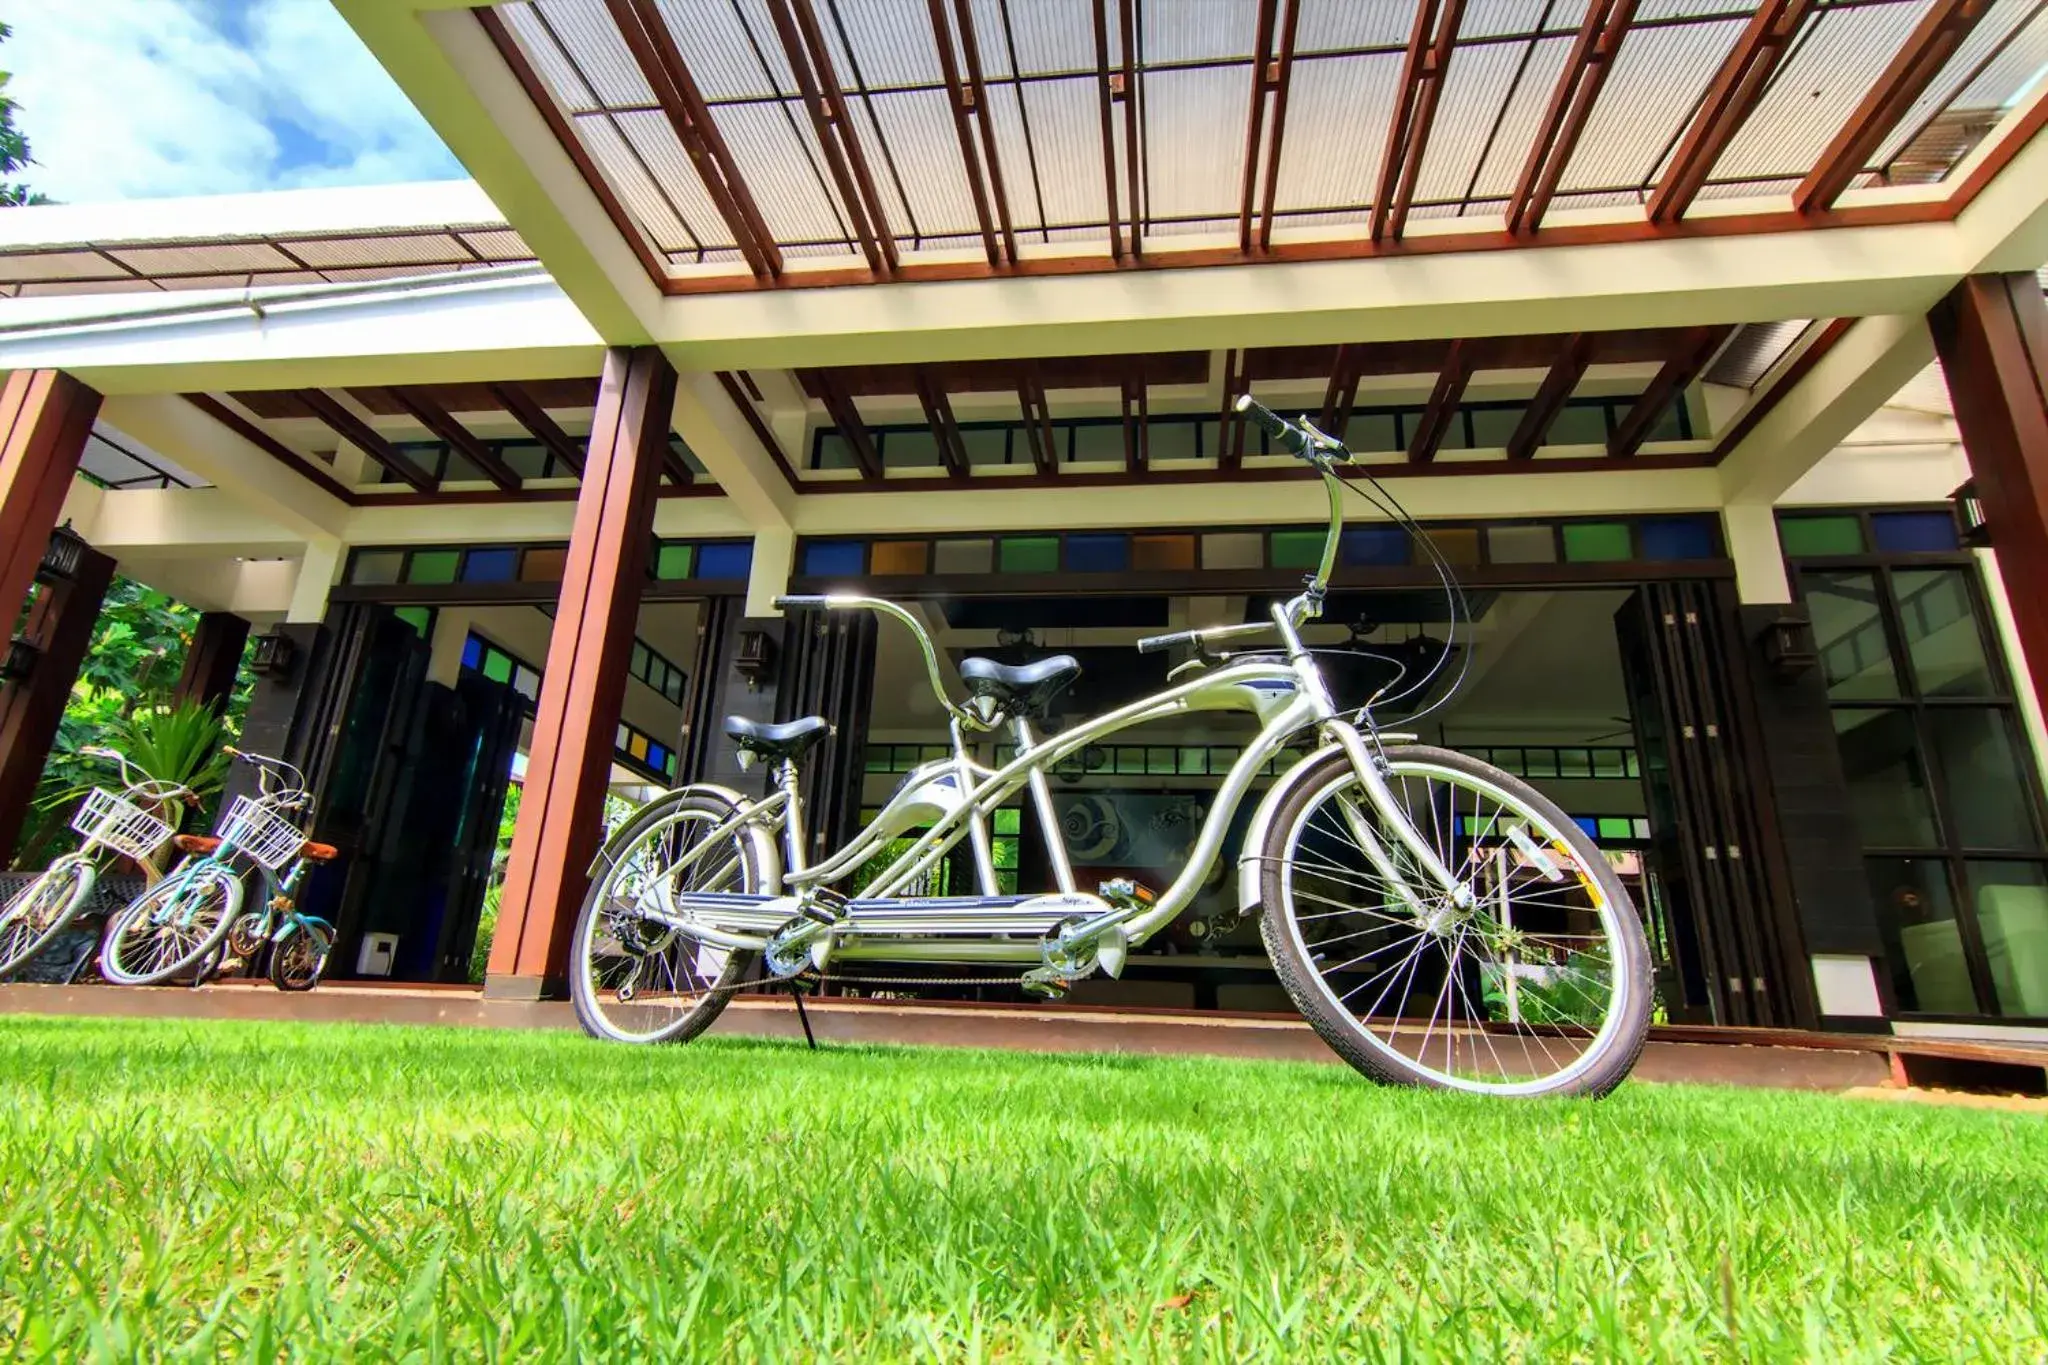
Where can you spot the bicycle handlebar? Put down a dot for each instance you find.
(842, 601)
(1153, 644)
(1299, 438)
(276, 779)
(157, 790)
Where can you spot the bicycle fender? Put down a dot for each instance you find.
(1250, 862)
(765, 848)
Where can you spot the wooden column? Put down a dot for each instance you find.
(213, 661)
(45, 418)
(561, 818)
(1992, 336)
(60, 626)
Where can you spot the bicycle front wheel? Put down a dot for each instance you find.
(1534, 982)
(296, 963)
(34, 916)
(635, 979)
(171, 928)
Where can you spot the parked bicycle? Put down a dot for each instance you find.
(130, 824)
(185, 922)
(1436, 920)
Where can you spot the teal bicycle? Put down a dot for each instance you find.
(133, 823)
(185, 924)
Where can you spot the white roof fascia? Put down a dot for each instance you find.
(340, 211)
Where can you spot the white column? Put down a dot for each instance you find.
(1751, 529)
(774, 556)
(451, 633)
(318, 570)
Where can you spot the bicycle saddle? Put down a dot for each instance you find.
(787, 740)
(1023, 690)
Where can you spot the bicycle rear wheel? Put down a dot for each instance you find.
(1539, 985)
(34, 916)
(633, 978)
(296, 963)
(172, 927)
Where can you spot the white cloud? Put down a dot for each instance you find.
(137, 99)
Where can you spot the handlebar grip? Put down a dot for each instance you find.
(1153, 644)
(784, 603)
(1273, 424)
(231, 751)
(95, 751)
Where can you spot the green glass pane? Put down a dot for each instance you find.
(1159, 760)
(1006, 820)
(421, 619)
(1003, 852)
(1129, 759)
(1836, 535)
(1194, 761)
(1616, 827)
(877, 759)
(674, 562)
(1030, 554)
(1596, 542)
(1297, 549)
(433, 566)
(497, 666)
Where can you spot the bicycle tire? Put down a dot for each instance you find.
(59, 893)
(1623, 1030)
(187, 949)
(292, 967)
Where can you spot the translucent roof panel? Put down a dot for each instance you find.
(1055, 142)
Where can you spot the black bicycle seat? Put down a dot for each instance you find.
(787, 740)
(1023, 689)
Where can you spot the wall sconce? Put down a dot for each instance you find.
(273, 655)
(1787, 646)
(1968, 510)
(61, 556)
(753, 656)
(19, 661)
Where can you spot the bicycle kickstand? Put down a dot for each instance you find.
(796, 994)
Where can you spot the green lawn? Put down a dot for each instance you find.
(243, 1190)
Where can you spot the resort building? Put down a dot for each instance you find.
(1707, 339)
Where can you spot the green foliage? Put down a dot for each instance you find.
(14, 151)
(200, 1190)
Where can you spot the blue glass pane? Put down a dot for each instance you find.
(1375, 545)
(1678, 538)
(1905, 533)
(1588, 824)
(830, 558)
(731, 560)
(1098, 554)
(657, 757)
(472, 653)
(490, 566)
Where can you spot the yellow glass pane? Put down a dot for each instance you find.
(901, 556)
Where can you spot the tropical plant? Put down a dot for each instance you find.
(14, 154)
(178, 744)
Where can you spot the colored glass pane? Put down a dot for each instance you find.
(672, 563)
(899, 557)
(1678, 538)
(543, 566)
(1832, 535)
(472, 652)
(376, 566)
(490, 566)
(1098, 553)
(1194, 762)
(1233, 550)
(1006, 821)
(1297, 549)
(1029, 554)
(1594, 542)
(433, 566)
(497, 666)
(526, 683)
(636, 745)
(1521, 545)
(421, 619)
(963, 556)
(1371, 545)
(1903, 533)
(1458, 544)
(1616, 827)
(1163, 553)
(834, 558)
(729, 559)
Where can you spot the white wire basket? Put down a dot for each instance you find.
(109, 819)
(261, 834)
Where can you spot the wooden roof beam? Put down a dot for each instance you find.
(863, 215)
(1230, 425)
(846, 417)
(661, 65)
(1695, 350)
(1729, 102)
(1571, 104)
(959, 102)
(1102, 95)
(1037, 420)
(1422, 83)
(1133, 146)
(357, 433)
(1437, 417)
(1926, 50)
(938, 414)
(1541, 414)
(1255, 119)
(1342, 394)
(422, 408)
(539, 425)
(977, 90)
(1137, 426)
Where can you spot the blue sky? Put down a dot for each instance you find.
(140, 99)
